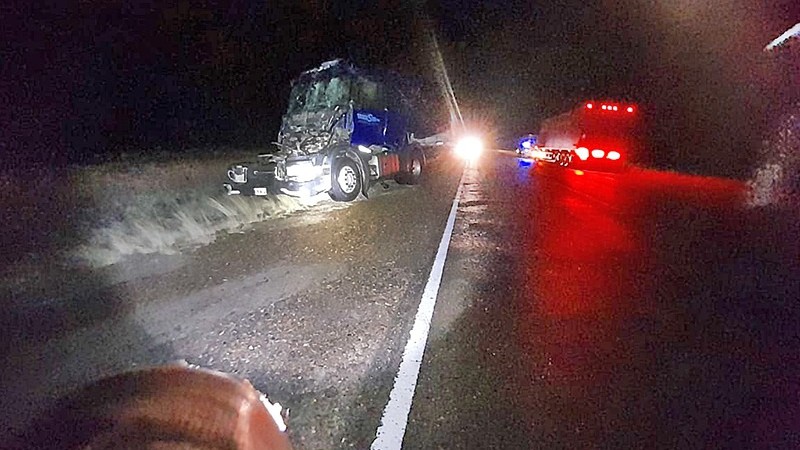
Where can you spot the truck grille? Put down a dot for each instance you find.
(280, 170)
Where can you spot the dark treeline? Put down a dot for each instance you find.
(708, 92)
(87, 78)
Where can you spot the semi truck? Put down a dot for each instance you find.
(344, 129)
(595, 135)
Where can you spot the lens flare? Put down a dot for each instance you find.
(469, 147)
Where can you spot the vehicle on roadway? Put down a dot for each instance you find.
(596, 135)
(525, 144)
(344, 129)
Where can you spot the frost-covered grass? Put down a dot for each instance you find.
(776, 180)
(165, 224)
(161, 207)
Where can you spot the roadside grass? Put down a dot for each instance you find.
(161, 206)
(164, 224)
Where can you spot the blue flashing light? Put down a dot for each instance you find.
(526, 143)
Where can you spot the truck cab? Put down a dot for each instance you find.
(344, 128)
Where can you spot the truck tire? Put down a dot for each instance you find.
(346, 183)
(413, 171)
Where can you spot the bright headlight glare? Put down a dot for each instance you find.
(582, 152)
(469, 147)
(303, 171)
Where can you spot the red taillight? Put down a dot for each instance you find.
(612, 155)
(583, 153)
(613, 107)
(597, 153)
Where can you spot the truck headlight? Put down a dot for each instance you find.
(302, 171)
(469, 147)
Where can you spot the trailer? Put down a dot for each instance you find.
(596, 135)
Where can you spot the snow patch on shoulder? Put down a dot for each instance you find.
(168, 227)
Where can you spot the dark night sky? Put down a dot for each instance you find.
(93, 77)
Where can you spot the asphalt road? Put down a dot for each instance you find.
(637, 310)
(640, 310)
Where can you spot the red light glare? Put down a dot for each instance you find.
(612, 155)
(630, 109)
(578, 172)
(605, 107)
(597, 153)
(589, 106)
(582, 152)
(616, 108)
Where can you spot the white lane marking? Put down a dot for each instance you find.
(395, 415)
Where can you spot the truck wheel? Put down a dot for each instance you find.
(415, 166)
(413, 172)
(346, 183)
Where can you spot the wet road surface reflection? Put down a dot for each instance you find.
(643, 322)
(638, 310)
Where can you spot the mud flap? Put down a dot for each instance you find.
(365, 184)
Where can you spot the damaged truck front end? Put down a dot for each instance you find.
(280, 173)
(343, 129)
